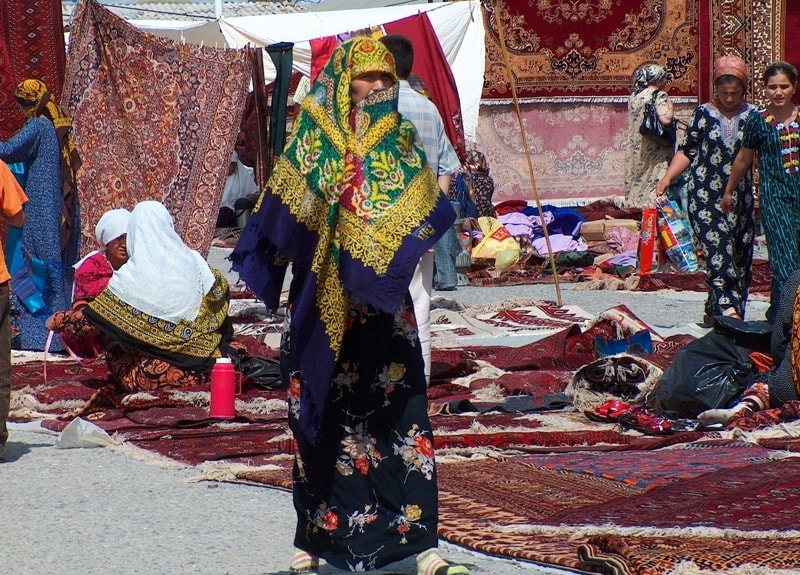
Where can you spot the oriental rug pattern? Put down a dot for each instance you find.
(587, 48)
(753, 29)
(576, 150)
(517, 477)
(31, 46)
(154, 119)
(610, 512)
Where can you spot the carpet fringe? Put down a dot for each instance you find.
(139, 396)
(583, 531)
(691, 568)
(193, 398)
(461, 454)
(492, 392)
(262, 405)
(228, 472)
(779, 431)
(24, 402)
(119, 445)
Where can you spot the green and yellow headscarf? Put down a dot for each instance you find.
(353, 204)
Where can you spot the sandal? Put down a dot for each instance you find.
(646, 422)
(609, 411)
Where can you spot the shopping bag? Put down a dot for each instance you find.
(653, 129)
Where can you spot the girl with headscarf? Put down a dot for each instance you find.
(93, 272)
(353, 205)
(162, 319)
(474, 181)
(709, 145)
(38, 147)
(774, 133)
(645, 160)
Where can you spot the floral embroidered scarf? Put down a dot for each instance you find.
(352, 204)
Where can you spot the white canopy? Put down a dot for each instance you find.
(458, 25)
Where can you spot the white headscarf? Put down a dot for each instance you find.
(239, 184)
(111, 225)
(163, 277)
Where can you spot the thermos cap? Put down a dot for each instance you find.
(224, 360)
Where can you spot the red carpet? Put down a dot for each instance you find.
(516, 478)
(587, 49)
(31, 46)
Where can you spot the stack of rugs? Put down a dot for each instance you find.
(522, 472)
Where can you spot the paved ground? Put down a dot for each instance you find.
(100, 511)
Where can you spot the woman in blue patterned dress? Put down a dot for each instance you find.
(708, 147)
(774, 133)
(37, 146)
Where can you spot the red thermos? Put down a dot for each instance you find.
(223, 390)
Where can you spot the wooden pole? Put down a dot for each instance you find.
(513, 85)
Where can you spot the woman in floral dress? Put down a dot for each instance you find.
(353, 205)
(775, 133)
(645, 160)
(708, 148)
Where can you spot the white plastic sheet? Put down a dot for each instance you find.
(82, 433)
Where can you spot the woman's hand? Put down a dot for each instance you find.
(727, 202)
(50, 323)
(662, 186)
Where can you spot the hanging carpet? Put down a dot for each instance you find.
(154, 119)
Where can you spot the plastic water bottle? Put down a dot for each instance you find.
(223, 390)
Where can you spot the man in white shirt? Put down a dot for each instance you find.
(443, 160)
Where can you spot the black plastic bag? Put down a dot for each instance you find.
(264, 372)
(753, 335)
(708, 373)
(653, 129)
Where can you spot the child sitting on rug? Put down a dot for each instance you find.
(93, 272)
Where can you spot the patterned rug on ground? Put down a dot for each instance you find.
(563, 490)
(523, 318)
(718, 503)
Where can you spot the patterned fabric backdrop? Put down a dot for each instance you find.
(31, 46)
(756, 30)
(588, 48)
(577, 150)
(154, 120)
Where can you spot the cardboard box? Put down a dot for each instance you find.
(599, 230)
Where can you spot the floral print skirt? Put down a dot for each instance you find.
(365, 493)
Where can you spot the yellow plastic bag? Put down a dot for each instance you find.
(496, 244)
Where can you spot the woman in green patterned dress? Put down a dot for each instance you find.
(774, 133)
